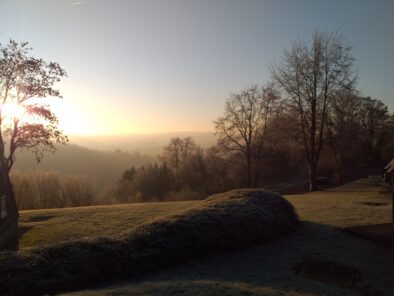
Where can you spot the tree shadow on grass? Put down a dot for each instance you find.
(38, 218)
(22, 230)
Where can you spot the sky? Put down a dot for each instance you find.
(168, 66)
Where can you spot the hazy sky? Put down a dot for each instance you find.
(156, 66)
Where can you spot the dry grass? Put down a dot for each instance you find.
(228, 221)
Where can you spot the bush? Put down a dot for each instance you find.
(222, 222)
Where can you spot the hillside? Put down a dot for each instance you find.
(103, 167)
(264, 270)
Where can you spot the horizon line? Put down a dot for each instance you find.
(137, 134)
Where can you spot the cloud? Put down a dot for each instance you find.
(77, 3)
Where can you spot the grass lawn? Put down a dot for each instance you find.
(42, 227)
(263, 270)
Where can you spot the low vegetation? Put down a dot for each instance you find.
(228, 221)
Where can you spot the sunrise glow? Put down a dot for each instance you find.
(11, 111)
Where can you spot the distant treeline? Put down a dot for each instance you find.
(186, 171)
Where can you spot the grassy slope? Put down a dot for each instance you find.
(265, 270)
(41, 227)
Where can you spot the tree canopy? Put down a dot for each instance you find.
(26, 120)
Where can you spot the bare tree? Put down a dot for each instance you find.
(25, 121)
(243, 126)
(311, 75)
(178, 151)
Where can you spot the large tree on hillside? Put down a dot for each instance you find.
(360, 130)
(375, 130)
(311, 75)
(343, 131)
(25, 121)
(242, 128)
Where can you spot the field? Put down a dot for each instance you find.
(264, 270)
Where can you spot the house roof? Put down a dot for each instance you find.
(389, 165)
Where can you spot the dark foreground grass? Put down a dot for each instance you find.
(223, 222)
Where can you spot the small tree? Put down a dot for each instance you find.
(311, 76)
(26, 122)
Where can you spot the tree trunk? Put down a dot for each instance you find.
(340, 178)
(9, 223)
(312, 156)
(312, 178)
(338, 156)
(340, 174)
(392, 210)
(249, 175)
(249, 169)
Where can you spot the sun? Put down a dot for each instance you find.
(12, 111)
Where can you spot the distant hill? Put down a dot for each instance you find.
(151, 144)
(104, 167)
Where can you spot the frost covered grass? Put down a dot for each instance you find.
(223, 222)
